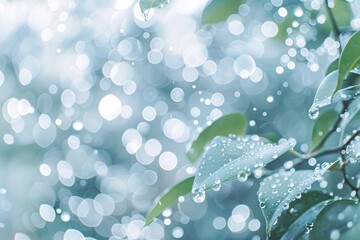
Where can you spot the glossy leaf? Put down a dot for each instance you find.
(332, 67)
(303, 224)
(235, 123)
(299, 208)
(147, 4)
(324, 93)
(279, 190)
(349, 59)
(170, 197)
(322, 125)
(350, 88)
(227, 159)
(220, 10)
(335, 218)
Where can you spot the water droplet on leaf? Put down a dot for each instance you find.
(314, 112)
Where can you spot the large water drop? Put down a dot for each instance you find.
(198, 196)
(313, 112)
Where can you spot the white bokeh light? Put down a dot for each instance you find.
(110, 107)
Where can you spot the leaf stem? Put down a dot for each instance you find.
(325, 152)
(334, 25)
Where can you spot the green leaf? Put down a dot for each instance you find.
(235, 123)
(352, 110)
(332, 67)
(350, 88)
(220, 10)
(335, 218)
(147, 4)
(299, 211)
(227, 159)
(279, 190)
(322, 125)
(349, 59)
(272, 137)
(170, 197)
(324, 93)
(300, 227)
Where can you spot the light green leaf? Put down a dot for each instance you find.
(322, 125)
(324, 93)
(220, 10)
(235, 123)
(170, 197)
(147, 4)
(278, 190)
(227, 159)
(332, 67)
(334, 219)
(300, 210)
(349, 59)
(304, 222)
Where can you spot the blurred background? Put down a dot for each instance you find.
(99, 104)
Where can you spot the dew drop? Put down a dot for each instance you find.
(325, 165)
(217, 185)
(317, 174)
(198, 196)
(292, 142)
(262, 204)
(314, 112)
(242, 176)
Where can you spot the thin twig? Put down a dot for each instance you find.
(325, 152)
(334, 26)
(346, 180)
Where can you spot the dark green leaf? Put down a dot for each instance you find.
(220, 10)
(349, 59)
(147, 4)
(170, 197)
(297, 209)
(279, 190)
(332, 67)
(322, 125)
(335, 218)
(235, 123)
(227, 159)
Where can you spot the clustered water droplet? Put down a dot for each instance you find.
(236, 156)
(352, 151)
(199, 195)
